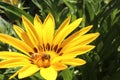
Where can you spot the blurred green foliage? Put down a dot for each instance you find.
(103, 63)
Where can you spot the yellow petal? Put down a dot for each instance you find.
(81, 49)
(11, 55)
(59, 35)
(76, 35)
(27, 71)
(32, 34)
(39, 28)
(14, 63)
(74, 62)
(73, 26)
(48, 31)
(67, 29)
(82, 40)
(23, 35)
(19, 31)
(14, 75)
(48, 73)
(88, 38)
(59, 66)
(22, 69)
(59, 58)
(20, 45)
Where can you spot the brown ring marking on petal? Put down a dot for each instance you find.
(44, 47)
(40, 47)
(61, 54)
(48, 46)
(51, 47)
(31, 53)
(55, 47)
(59, 49)
(35, 50)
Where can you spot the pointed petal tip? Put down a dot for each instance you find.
(15, 26)
(50, 16)
(37, 19)
(81, 62)
(23, 16)
(36, 16)
(90, 26)
(84, 62)
(80, 19)
(97, 34)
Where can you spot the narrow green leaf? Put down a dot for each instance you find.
(14, 10)
(69, 6)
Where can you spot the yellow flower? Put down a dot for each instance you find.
(45, 49)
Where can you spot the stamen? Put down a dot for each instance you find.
(59, 50)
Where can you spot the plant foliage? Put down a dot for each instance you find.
(103, 63)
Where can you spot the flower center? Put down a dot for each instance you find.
(41, 56)
(41, 60)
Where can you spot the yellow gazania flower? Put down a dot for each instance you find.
(45, 49)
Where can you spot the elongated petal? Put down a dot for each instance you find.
(74, 62)
(48, 73)
(73, 52)
(14, 63)
(19, 31)
(81, 49)
(68, 29)
(89, 38)
(20, 71)
(30, 31)
(76, 35)
(27, 71)
(39, 28)
(63, 25)
(14, 75)
(73, 26)
(59, 35)
(60, 58)
(83, 40)
(12, 55)
(48, 31)
(23, 35)
(59, 66)
(20, 45)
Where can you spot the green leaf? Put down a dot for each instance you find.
(5, 27)
(1, 77)
(67, 74)
(70, 6)
(14, 10)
